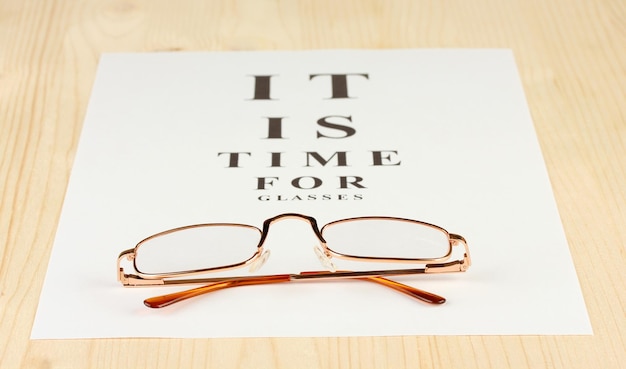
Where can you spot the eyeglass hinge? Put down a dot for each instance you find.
(135, 280)
(453, 266)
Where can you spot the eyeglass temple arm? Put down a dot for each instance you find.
(169, 299)
(162, 301)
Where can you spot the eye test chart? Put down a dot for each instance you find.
(442, 136)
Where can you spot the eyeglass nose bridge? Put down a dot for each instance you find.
(312, 221)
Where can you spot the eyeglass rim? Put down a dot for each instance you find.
(250, 260)
(344, 256)
(131, 254)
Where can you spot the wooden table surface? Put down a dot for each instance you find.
(572, 59)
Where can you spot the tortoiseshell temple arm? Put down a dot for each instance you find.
(172, 298)
(169, 299)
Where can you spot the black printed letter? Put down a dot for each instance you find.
(262, 88)
(339, 83)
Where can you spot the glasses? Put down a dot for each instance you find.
(179, 256)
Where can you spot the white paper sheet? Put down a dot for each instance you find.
(456, 146)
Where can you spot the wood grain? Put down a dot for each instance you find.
(572, 62)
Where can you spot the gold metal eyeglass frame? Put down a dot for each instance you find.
(324, 253)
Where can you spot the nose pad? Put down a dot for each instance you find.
(258, 263)
(324, 258)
